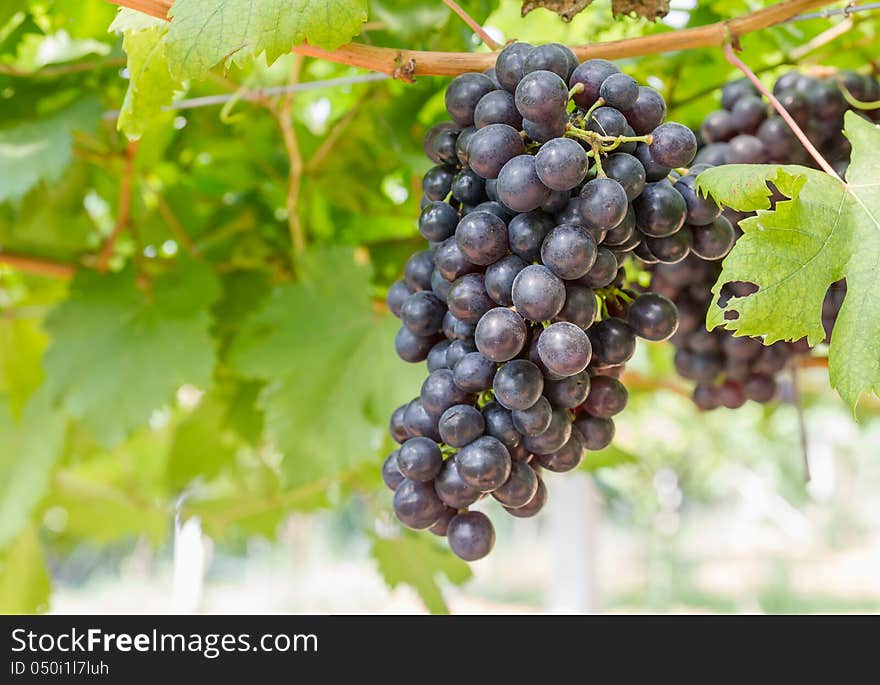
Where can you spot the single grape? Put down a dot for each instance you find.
(467, 187)
(597, 432)
(437, 356)
(533, 506)
(550, 57)
(439, 392)
(660, 210)
(437, 182)
(438, 221)
(567, 457)
(473, 372)
(545, 130)
(541, 96)
(459, 425)
(607, 121)
(534, 420)
(432, 148)
(518, 384)
(671, 249)
(538, 294)
(653, 317)
(462, 143)
(561, 164)
(509, 65)
(569, 392)
(417, 272)
(673, 145)
(457, 350)
(732, 395)
(760, 388)
(482, 238)
(603, 203)
(454, 329)
(706, 397)
(519, 186)
(396, 426)
(442, 525)
(419, 459)
(746, 149)
(471, 535)
(607, 397)
(417, 505)
(564, 349)
(568, 251)
(748, 113)
(451, 489)
(500, 334)
(619, 91)
(526, 233)
(701, 210)
(468, 299)
(440, 286)
(451, 262)
(484, 464)
(397, 294)
(600, 275)
(734, 90)
(714, 241)
(519, 488)
(713, 154)
(648, 111)
(497, 107)
(581, 306)
(654, 171)
(464, 93)
(422, 313)
(627, 171)
(419, 423)
(412, 348)
(622, 233)
(499, 278)
(591, 75)
(553, 438)
(613, 341)
(491, 147)
(391, 475)
(499, 424)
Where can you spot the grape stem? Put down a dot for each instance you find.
(575, 89)
(853, 100)
(792, 124)
(123, 217)
(407, 64)
(596, 105)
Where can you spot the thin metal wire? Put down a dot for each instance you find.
(839, 11)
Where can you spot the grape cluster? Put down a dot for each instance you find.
(549, 176)
(730, 370)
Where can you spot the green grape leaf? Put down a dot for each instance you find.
(24, 579)
(118, 352)
(327, 358)
(828, 230)
(22, 342)
(150, 86)
(29, 447)
(41, 150)
(204, 33)
(417, 560)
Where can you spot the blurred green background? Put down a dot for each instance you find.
(199, 426)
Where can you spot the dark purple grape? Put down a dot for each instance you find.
(461, 145)
(497, 107)
(519, 488)
(509, 65)
(467, 187)
(471, 535)
(580, 306)
(648, 111)
(713, 154)
(419, 423)
(451, 489)
(706, 397)
(482, 238)
(702, 367)
(519, 186)
(561, 164)
(564, 349)
(499, 278)
(660, 210)
(439, 392)
(607, 121)
(700, 210)
(556, 201)
(454, 329)
(619, 91)
(734, 90)
(438, 221)
(413, 348)
(473, 372)
(451, 262)
(437, 356)
(437, 182)
(546, 130)
(553, 438)
(596, 431)
(732, 395)
(484, 464)
(541, 96)
(422, 313)
(569, 392)
(534, 420)
(491, 147)
(748, 113)
(533, 506)
(397, 294)
(500, 334)
(433, 149)
(538, 294)
(591, 75)
(526, 233)
(419, 459)
(613, 341)
(550, 57)
(567, 457)
(442, 525)
(780, 144)
(396, 426)
(741, 347)
(417, 505)
(603, 203)
(746, 149)
(654, 171)
(718, 127)
(458, 349)
(607, 397)
(518, 384)
(627, 171)
(600, 275)
(670, 249)
(460, 425)
(714, 241)
(391, 475)
(673, 145)
(468, 299)
(499, 424)
(653, 317)
(464, 93)
(417, 272)
(760, 388)
(568, 251)
(440, 286)
(622, 233)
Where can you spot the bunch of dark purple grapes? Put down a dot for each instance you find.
(730, 370)
(548, 177)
